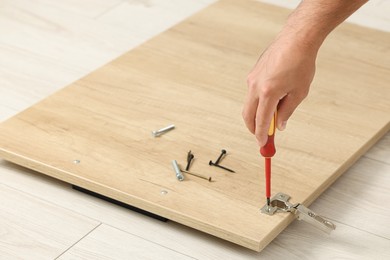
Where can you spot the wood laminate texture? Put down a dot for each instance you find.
(193, 75)
(35, 229)
(106, 242)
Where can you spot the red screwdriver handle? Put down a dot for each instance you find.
(268, 150)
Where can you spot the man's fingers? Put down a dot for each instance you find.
(249, 112)
(265, 111)
(286, 108)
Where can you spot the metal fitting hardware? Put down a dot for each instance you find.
(198, 175)
(179, 174)
(220, 166)
(190, 157)
(161, 131)
(216, 163)
(223, 152)
(279, 203)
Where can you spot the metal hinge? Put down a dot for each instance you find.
(279, 203)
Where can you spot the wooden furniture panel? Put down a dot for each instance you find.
(193, 75)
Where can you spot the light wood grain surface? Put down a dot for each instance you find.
(32, 227)
(194, 243)
(104, 121)
(106, 242)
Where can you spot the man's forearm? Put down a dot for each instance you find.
(313, 20)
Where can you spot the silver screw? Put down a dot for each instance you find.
(176, 167)
(161, 131)
(164, 192)
(76, 161)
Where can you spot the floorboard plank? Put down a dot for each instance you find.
(155, 16)
(301, 241)
(34, 229)
(373, 14)
(50, 45)
(358, 198)
(381, 151)
(107, 242)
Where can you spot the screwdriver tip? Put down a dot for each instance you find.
(268, 201)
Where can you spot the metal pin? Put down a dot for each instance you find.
(217, 165)
(161, 131)
(179, 175)
(223, 152)
(198, 175)
(190, 156)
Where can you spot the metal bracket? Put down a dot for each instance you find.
(279, 203)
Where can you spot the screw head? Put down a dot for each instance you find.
(76, 161)
(164, 192)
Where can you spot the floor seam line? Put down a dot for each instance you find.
(149, 241)
(75, 243)
(96, 17)
(362, 230)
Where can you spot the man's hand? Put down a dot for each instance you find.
(281, 78)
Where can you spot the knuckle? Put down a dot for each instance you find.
(303, 94)
(266, 90)
(250, 81)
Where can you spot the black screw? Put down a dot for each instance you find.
(217, 165)
(190, 156)
(223, 152)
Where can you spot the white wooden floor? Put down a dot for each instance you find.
(45, 45)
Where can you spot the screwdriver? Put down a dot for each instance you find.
(267, 151)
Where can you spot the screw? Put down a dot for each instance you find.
(190, 156)
(223, 152)
(198, 175)
(217, 165)
(164, 192)
(76, 161)
(161, 131)
(178, 173)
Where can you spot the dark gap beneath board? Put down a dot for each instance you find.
(119, 203)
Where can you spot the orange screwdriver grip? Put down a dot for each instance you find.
(268, 150)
